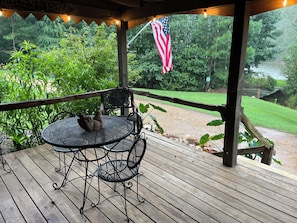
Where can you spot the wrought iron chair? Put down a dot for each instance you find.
(62, 150)
(122, 98)
(119, 101)
(123, 170)
(126, 143)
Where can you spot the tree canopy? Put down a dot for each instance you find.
(201, 50)
(290, 70)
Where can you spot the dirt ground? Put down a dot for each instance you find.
(187, 125)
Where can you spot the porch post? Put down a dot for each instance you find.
(122, 53)
(233, 111)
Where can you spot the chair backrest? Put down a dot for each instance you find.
(136, 153)
(137, 122)
(63, 114)
(117, 99)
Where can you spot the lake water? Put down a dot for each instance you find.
(272, 68)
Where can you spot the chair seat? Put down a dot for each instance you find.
(116, 171)
(123, 146)
(64, 150)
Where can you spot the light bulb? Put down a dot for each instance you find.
(205, 13)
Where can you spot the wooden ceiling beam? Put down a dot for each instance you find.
(129, 3)
(55, 7)
(135, 12)
(172, 7)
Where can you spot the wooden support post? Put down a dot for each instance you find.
(237, 61)
(122, 53)
(267, 155)
(122, 58)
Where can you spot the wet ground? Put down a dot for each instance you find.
(182, 124)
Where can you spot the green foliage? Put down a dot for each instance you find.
(25, 81)
(290, 70)
(146, 112)
(15, 30)
(281, 83)
(3, 85)
(292, 101)
(206, 137)
(84, 61)
(82, 64)
(201, 50)
(246, 136)
(262, 38)
(265, 82)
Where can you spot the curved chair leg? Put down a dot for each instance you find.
(125, 202)
(139, 198)
(85, 189)
(55, 185)
(5, 166)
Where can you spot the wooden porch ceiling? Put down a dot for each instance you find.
(180, 184)
(134, 12)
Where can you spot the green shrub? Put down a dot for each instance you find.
(77, 65)
(292, 101)
(267, 83)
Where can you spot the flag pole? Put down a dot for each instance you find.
(137, 34)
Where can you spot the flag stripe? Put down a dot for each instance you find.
(163, 42)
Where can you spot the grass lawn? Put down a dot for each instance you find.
(260, 112)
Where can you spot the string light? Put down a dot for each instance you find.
(285, 3)
(205, 13)
(154, 19)
(68, 18)
(1, 13)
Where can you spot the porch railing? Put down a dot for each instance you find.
(267, 148)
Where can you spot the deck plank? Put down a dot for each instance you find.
(70, 195)
(30, 160)
(244, 189)
(25, 204)
(108, 209)
(180, 184)
(8, 209)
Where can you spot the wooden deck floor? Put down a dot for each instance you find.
(180, 184)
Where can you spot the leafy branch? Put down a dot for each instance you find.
(146, 111)
(246, 136)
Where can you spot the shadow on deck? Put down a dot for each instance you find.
(180, 184)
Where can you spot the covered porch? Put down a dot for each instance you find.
(180, 184)
(126, 14)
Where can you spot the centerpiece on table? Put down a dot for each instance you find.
(90, 124)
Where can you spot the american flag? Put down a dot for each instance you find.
(163, 42)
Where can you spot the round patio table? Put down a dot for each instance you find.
(67, 132)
